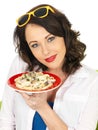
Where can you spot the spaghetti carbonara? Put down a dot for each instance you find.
(34, 81)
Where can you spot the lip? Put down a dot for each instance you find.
(50, 59)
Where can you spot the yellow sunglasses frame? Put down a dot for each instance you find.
(32, 13)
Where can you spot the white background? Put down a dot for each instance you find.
(82, 14)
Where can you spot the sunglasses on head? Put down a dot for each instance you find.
(40, 12)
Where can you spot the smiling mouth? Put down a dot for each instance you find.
(51, 59)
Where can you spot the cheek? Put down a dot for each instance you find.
(61, 47)
(36, 53)
(62, 50)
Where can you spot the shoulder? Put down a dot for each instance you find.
(85, 71)
(17, 66)
(18, 60)
(84, 81)
(86, 74)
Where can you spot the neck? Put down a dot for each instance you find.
(59, 73)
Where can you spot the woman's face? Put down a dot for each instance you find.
(47, 48)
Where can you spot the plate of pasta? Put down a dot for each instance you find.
(34, 82)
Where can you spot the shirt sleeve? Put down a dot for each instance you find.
(7, 120)
(89, 116)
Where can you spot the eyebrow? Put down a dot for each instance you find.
(31, 42)
(45, 38)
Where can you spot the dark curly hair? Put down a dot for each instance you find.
(57, 24)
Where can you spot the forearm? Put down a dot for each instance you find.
(52, 120)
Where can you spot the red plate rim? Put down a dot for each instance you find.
(11, 83)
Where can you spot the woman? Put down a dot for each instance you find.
(45, 42)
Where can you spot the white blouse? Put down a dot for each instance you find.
(76, 101)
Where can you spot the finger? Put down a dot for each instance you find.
(24, 95)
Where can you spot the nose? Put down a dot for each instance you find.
(45, 49)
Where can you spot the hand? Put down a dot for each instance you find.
(36, 101)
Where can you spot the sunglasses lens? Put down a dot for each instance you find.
(40, 12)
(23, 19)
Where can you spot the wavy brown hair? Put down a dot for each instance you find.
(57, 24)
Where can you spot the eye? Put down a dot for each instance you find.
(50, 39)
(34, 45)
